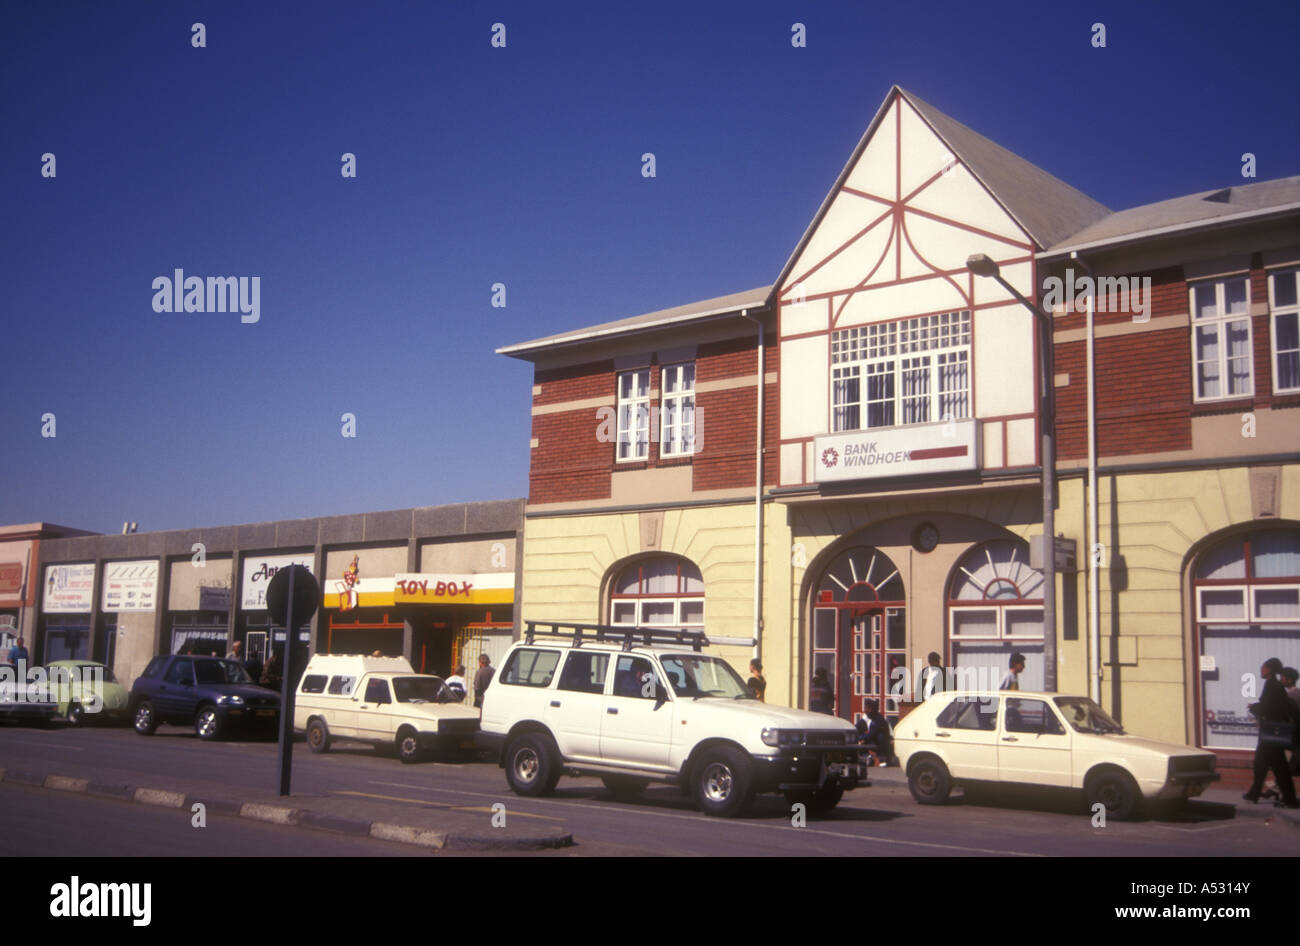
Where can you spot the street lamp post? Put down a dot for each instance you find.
(982, 265)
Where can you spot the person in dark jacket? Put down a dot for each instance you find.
(1274, 706)
(757, 683)
(821, 695)
(875, 733)
(482, 678)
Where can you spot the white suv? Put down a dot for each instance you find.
(634, 705)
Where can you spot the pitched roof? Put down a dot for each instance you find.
(719, 305)
(1179, 213)
(1046, 207)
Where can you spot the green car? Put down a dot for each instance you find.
(85, 690)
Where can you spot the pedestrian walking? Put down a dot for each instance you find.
(1012, 680)
(1288, 677)
(482, 678)
(456, 682)
(1277, 720)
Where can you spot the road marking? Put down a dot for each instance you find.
(155, 796)
(275, 814)
(742, 824)
(425, 801)
(54, 745)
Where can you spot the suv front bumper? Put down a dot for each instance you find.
(797, 769)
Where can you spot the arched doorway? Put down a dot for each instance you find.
(859, 629)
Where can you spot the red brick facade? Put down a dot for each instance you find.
(575, 458)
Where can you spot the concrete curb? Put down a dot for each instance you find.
(283, 815)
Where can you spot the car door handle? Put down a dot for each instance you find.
(943, 735)
(1010, 739)
(612, 710)
(555, 703)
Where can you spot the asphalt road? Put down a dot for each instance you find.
(878, 821)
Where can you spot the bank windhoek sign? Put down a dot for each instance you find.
(944, 447)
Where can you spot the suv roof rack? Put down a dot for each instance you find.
(608, 633)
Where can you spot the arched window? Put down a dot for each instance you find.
(660, 592)
(995, 609)
(1247, 600)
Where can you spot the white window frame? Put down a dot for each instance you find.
(1221, 321)
(1002, 633)
(677, 439)
(1274, 311)
(634, 405)
(880, 351)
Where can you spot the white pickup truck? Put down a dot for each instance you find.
(381, 701)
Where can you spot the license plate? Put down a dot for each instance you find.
(268, 712)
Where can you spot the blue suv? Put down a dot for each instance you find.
(211, 693)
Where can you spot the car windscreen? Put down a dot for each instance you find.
(418, 689)
(219, 671)
(695, 676)
(1086, 716)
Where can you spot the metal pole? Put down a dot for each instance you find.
(286, 693)
(1047, 410)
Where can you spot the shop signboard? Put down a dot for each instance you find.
(436, 588)
(896, 451)
(11, 578)
(69, 589)
(258, 572)
(130, 586)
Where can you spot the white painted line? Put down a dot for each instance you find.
(727, 821)
(406, 835)
(156, 796)
(276, 814)
(66, 783)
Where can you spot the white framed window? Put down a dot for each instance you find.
(634, 415)
(1221, 348)
(677, 413)
(916, 371)
(1284, 323)
(658, 592)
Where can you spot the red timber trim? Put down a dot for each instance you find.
(857, 193)
(841, 248)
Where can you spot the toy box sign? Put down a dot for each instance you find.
(896, 451)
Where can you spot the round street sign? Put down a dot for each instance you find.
(306, 596)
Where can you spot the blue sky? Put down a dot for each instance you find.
(477, 165)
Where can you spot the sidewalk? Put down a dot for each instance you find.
(1215, 795)
(417, 821)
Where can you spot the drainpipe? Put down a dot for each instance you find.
(758, 491)
(1094, 592)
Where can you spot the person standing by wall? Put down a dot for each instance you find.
(1012, 680)
(932, 675)
(756, 682)
(482, 678)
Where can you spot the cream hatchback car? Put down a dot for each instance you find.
(1016, 737)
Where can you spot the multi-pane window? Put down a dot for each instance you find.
(677, 431)
(1221, 338)
(916, 371)
(658, 592)
(995, 608)
(634, 415)
(1284, 306)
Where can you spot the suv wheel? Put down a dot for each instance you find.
(1116, 792)
(532, 765)
(318, 736)
(624, 785)
(145, 720)
(207, 722)
(408, 746)
(724, 782)
(818, 801)
(929, 782)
